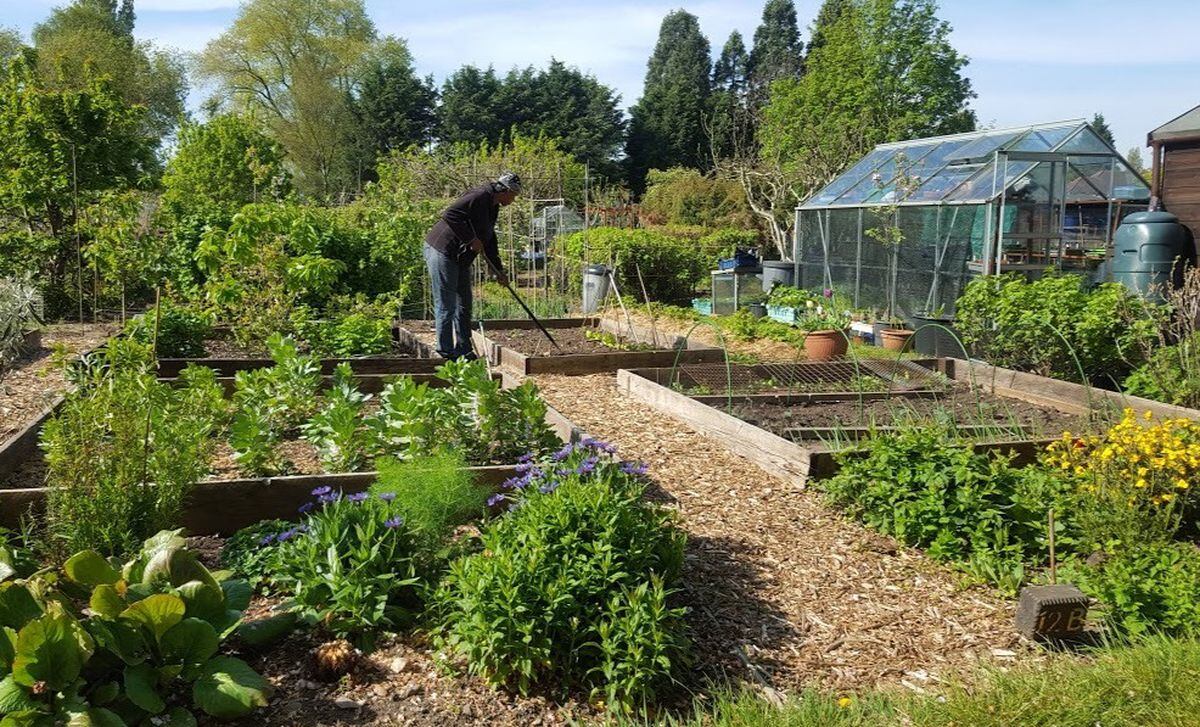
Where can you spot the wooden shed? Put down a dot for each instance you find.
(1175, 168)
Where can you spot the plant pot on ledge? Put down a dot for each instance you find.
(825, 345)
(896, 339)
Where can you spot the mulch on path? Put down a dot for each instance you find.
(784, 591)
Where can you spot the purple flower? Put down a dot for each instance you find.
(525, 458)
(563, 453)
(586, 466)
(634, 468)
(496, 499)
(266, 540)
(599, 446)
(828, 292)
(286, 535)
(357, 497)
(549, 487)
(387, 496)
(322, 491)
(305, 507)
(329, 497)
(394, 522)
(523, 467)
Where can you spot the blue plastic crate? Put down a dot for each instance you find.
(738, 261)
(703, 306)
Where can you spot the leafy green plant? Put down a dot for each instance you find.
(337, 431)
(181, 330)
(270, 403)
(250, 552)
(573, 586)
(474, 415)
(117, 432)
(1046, 325)
(1171, 374)
(352, 566)
(433, 493)
(790, 297)
(151, 634)
(1146, 588)
(17, 558)
(929, 490)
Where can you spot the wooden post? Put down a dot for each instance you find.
(1053, 560)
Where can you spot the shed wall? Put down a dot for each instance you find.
(1181, 183)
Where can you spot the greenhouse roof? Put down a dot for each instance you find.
(979, 166)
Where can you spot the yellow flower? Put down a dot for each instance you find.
(1148, 415)
(845, 702)
(1140, 483)
(1182, 484)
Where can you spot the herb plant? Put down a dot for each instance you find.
(144, 651)
(433, 493)
(250, 552)
(117, 432)
(574, 586)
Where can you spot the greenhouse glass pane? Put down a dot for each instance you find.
(985, 145)
(1098, 173)
(1127, 185)
(936, 187)
(850, 176)
(879, 184)
(1055, 134)
(1085, 141)
(980, 187)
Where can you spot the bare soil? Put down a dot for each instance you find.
(34, 380)
(958, 404)
(571, 341)
(223, 347)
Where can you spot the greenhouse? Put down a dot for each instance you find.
(902, 230)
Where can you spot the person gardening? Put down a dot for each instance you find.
(465, 229)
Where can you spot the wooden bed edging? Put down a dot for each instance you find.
(20, 447)
(220, 507)
(1046, 391)
(793, 462)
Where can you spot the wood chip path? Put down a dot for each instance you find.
(786, 592)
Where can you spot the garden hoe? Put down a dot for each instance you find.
(520, 302)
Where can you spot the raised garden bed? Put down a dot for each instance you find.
(222, 506)
(226, 358)
(795, 435)
(520, 347)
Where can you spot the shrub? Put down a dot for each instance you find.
(352, 566)
(150, 636)
(352, 327)
(433, 494)
(929, 490)
(250, 552)
(181, 330)
(1146, 588)
(19, 311)
(573, 586)
(670, 269)
(1171, 374)
(1015, 323)
(116, 433)
(725, 242)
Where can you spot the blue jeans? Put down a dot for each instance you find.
(451, 285)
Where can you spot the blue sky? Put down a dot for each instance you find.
(1031, 61)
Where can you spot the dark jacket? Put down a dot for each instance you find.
(471, 216)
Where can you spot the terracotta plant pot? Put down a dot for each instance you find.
(896, 339)
(825, 345)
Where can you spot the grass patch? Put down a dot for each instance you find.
(434, 493)
(1151, 683)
